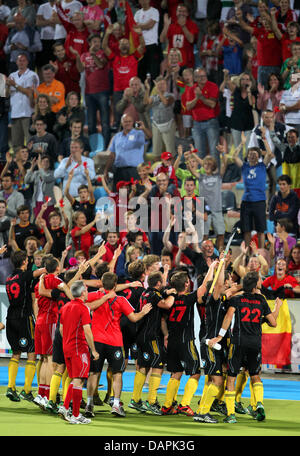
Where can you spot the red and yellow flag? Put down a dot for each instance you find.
(276, 342)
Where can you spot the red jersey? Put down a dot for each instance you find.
(68, 74)
(274, 283)
(124, 68)
(200, 111)
(106, 319)
(48, 308)
(268, 47)
(96, 79)
(84, 241)
(110, 250)
(78, 39)
(286, 45)
(74, 315)
(178, 40)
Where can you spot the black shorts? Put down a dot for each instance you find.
(243, 356)
(58, 354)
(115, 357)
(152, 353)
(20, 334)
(212, 360)
(253, 216)
(183, 357)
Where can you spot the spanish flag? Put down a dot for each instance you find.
(276, 342)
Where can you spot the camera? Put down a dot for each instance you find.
(137, 124)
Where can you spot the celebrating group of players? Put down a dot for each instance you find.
(75, 330)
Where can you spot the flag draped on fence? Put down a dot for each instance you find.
(276, 342)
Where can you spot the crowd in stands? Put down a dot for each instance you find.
(191, 103)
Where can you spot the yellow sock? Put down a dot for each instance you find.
(109, 377)
(258, 390)
(63, 380)
(208, 398)
(172, 388)
(229, 401)
(189, 391)
(252, 397)
(66, 386)
(29, 375)
(221, 393)
(37, 369)
(13, 367)
(204, 389)
(139, 381)
(241, 382)
(154, 382)
(54, 386)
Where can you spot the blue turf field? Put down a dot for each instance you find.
(273, 389)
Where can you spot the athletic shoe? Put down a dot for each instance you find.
(219, 407)
(63, 412)
(89, 411)
(51, 407)
(185, 410)
(239, 408)
(231, 419)
(136, 405)
(12, 395)
(80, 419)
(43, 403)
(153, 408)
(169, 410)
(250, 411)
(97, 400)
(111, 401)
(26, 396)
(118, 410)
(58, 401)
(37, 400)
(206, 418)
(106, 400)
(260, 412)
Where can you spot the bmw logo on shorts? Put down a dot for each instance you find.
(23, 342)
(134, 347)
(118, 354)
(146, 356)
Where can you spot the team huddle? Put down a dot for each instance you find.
(75, 325)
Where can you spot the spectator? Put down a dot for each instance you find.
(82, 233)
(290, 102)
(163, 123)
(267, 128)
(94, 65)
(78, 162)
(269, 98)
(210, 52)
(291, 65)
(76, 132)
(289, 39)
(71, 111)
(42, 110)
(127, 150)
(17, 167)
(232, 19)
(245, 263)
(281, 243)
(3, 37)
(77, 32)
(147, 19)
(4, 111)
(22, 38)
(13, 198)
(204, 106)
(133, 96)
(69, 7)
(93, 16)
(65, 69)
(52, 87)
(20, 86)
(268, 46)
(181, 34)
(201, 259)
(27, 10)
(281, 278)
(294, 262)
(45, 20)
(43, 183)
(253, 206)
(285, 204)
(284, 14)
(42, 142)
(241, 119)
(86, 203)
(24, 228)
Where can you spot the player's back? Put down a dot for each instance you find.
(74, 315)
(47, 307)
(149, 327)
(18, 292)
(181, 317)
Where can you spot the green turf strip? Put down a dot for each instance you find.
(26, 419)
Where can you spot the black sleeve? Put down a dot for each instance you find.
(55, 293)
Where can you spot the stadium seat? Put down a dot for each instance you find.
(228, 201)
